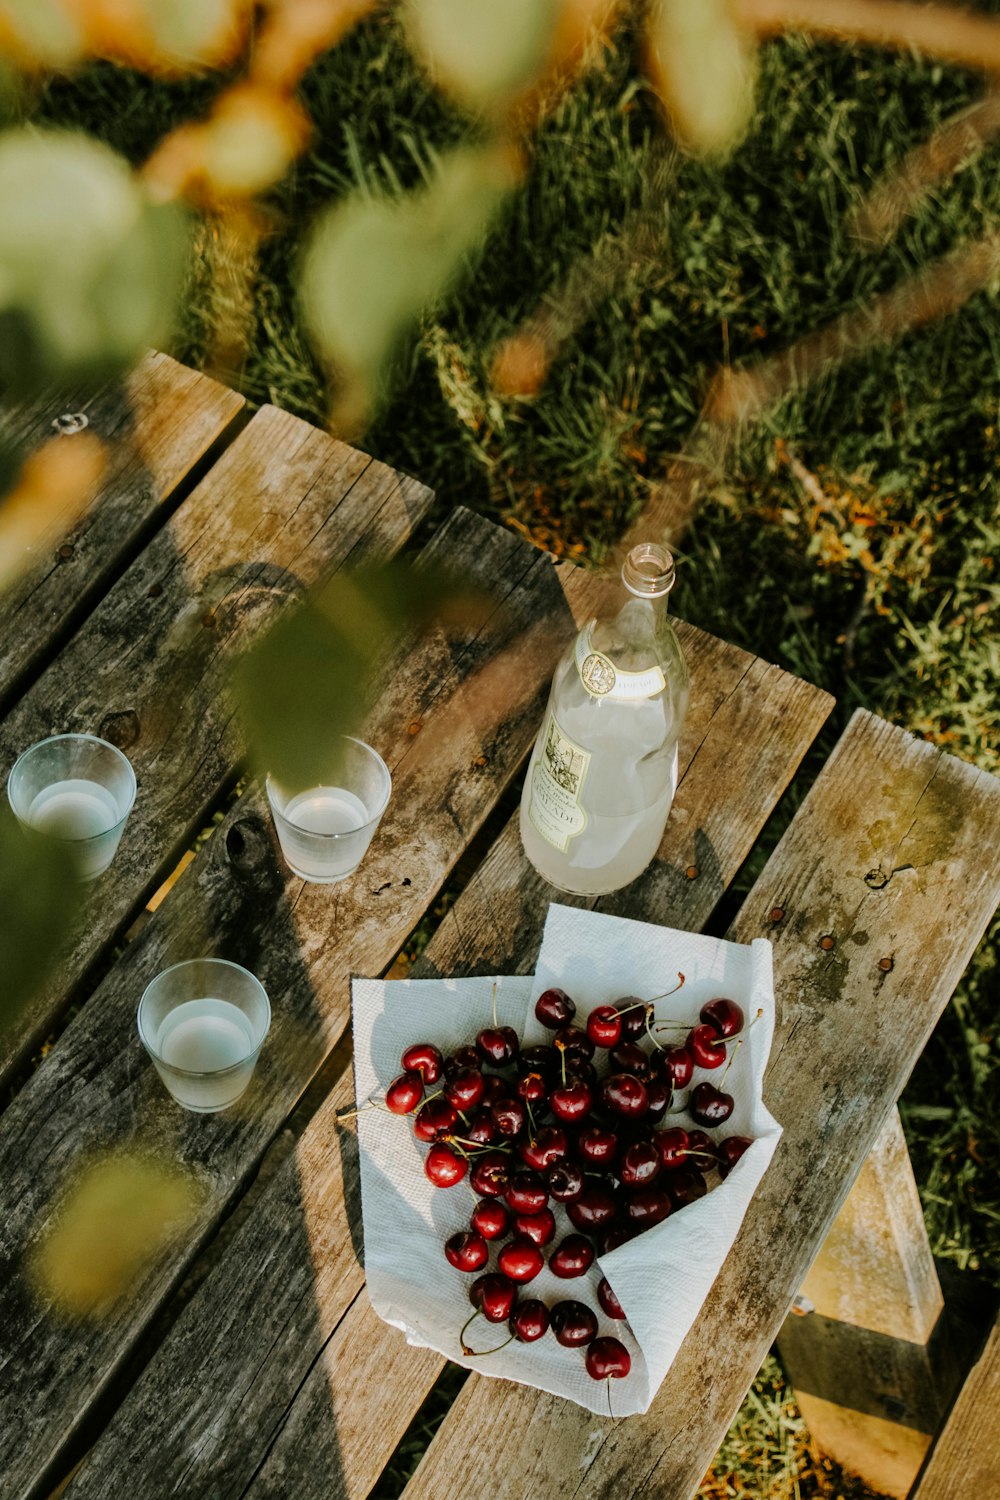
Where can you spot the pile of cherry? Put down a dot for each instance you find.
(534, 1125)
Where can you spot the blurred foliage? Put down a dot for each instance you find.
(120, 1213)
(704, 66)
(39, 897)
(47, 491)
(483, 52)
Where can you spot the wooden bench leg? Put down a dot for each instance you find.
(872, 1364)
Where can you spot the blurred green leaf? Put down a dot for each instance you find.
(38, 901)
(90, 272)
(194, 32)
(371, 267)
(704, 68)
(43, 31)
(118, 1216)
(310, 678)
(485, 52)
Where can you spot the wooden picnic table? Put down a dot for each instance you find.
(247, 1360)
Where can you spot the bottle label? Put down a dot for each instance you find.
(556, 783)
(602, 678)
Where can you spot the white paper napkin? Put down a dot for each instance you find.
(661, 1277)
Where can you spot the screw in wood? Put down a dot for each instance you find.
(827, 941)
(777, 913)
(885, 964)
(413, 727)
(692, 872)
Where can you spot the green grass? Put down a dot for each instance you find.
(883, 597)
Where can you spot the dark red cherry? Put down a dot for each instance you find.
(508, 1115)
(443, 1166)
(640, 1165)
(608, 1300)
(578, 1070)
(625, 1095)
(616, 1234)
(467, 1252)
(573, 1324)
(699, 1141)
(520, 1259)
(490, 1219)
(554, 1008)
(566, 1181)
(709, 1105)
(529, 1321)
(404, 1093)
(465, 1090)
(604, 1026)
(594, 1208)
(497, 1045)
(423, 1058)
(676, 1065)
(572, 1103)
(494, 1088)
(685, 1186)
(526, 1193)
(545, 1149)
(633, 1013)
(462, 1058)
(434, 1118)
(660, 1094)
(532, 1088)
(480, 1130)
(706, 1046)
(597, 1145)
(541, 1058)
(490, 1174)
(608, 1359)
(494, 1296)
(729, 1152)
(725, 1015)
(647, 1206)
(574, 1257)
(574, 1042)
(673, 1147)
(628, 1057)
(540, 1228)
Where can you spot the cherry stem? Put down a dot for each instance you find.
(707, 1155)
(478, 1353)
(494, 1004)
(352, 1114)
(729, 1064)
(649, 1029)
(562, 1058)
(610, 1412)
(679, 985)
(531, 1117)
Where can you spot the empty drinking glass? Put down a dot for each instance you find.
(324, 830)
(77, 790)
(203, 1022)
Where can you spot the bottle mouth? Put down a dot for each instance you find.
(648, 571)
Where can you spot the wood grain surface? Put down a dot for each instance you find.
(284, 507)
(267, 1431)
(964, 1463)
(454, 725)
(885, 857)
(156, 427)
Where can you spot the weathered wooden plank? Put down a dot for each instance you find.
(97, 1088)
(331, 1438)
(283, 507)
(156, 425)
(849, 1033)
(965, 1461)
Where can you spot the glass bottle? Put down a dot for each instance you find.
(603, 770)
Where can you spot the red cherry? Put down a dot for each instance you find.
(540, 1228)
(480, 1130)
(494, 1088)
(625, 1095)
(532, 1088)
(574, 1042)
(508, 1115)
(729, 1152)
(633, 1013)
(434, 1118)
(542, 1058)
(526, 1193)
(529, 1321)
(443, 1166)
(545, 1149)
(709, 1105)
(554, 1008)
(521, 1259)
(404, 1093)
(604, 1026)
(574, 1257)
(594, 1208)
(490, 1219)
(673, 1147)
(465, 1090)
(597, 1145)
(425, 1059)
(566, 1181)
(616, 1234)
(608, 1300)
(706, 1046)
(685, 1186)
(640, 1165)
(699, 1141)
(460, 1059)
(467, 1252)
(628, 1057)
(660, 1094)
(647, 1206)
(498, 1045)
(494, 1296)
(489, 1175)
(677, 1065)
(725, 1015)
(608, 1359)
(572, 1103)
(573, 1324)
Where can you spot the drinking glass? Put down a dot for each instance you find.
(77, 790)
(203, 1022)
(324, 830)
